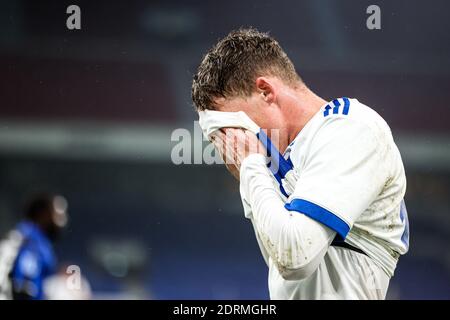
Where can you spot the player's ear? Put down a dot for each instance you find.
(265, 89)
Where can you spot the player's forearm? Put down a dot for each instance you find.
(295, 242)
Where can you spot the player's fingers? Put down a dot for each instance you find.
(224, 143)
(220, 142)
(228, 139)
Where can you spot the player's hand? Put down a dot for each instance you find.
(234, 145)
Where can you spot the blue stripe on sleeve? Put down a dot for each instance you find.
(336, 106)
(319, 214)
(346, 106)
(327, 111)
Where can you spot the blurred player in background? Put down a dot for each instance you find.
(328, 211)
(27, 258)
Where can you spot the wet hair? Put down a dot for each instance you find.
(230, 68)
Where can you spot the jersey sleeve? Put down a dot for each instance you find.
(342, 174)
(27, 274)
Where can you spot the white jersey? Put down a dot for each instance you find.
(340, 183)
(344, 171)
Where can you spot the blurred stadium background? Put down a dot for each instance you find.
(90, 113)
